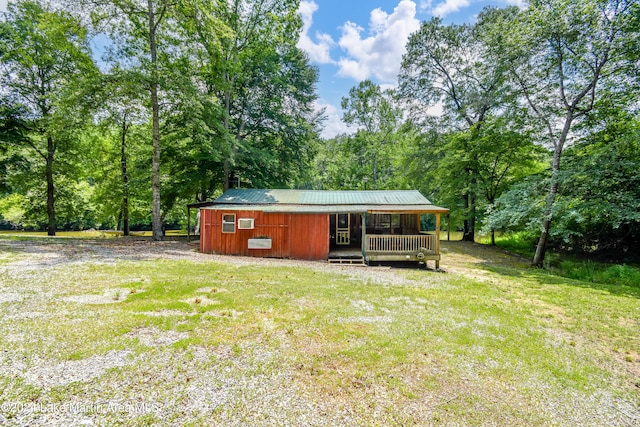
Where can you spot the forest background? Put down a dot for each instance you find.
(538, 137)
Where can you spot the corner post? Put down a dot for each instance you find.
(364, 235)
(437, 241)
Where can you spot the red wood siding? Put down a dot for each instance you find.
(309, 236)
(300, 236)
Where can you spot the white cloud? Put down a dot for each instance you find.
(319, 51)
(425, 4)
(3, 5)
(449, 6)
(380, 54)
(446, 7)
(333, 125)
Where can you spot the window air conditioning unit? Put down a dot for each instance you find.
(246, 223)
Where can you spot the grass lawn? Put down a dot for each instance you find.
(113, 340)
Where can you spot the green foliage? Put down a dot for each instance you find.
(482, 146)
(519, 208)
(370, 158)
(12, 210)
(253, 103)
(600, 190)
(561, 55)
(590, 271)
(483, 162)
(48, 77)
(598, 204)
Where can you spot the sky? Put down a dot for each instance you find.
(354, 40)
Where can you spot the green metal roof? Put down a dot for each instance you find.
(318, 201)
(318, 197)
(331, 209)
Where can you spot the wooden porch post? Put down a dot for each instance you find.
(188, 224)
(437, 240)
(364, 234)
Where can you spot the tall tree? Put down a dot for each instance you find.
(47, 66)
(259, 84)
(140, 30)
(561, 55)
(448, 66)
(122, 109)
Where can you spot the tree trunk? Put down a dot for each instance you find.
(226, 167)
(155, 107)
(226, 184)
(375, 173)
(51, 210)
(196, 231)
(125, 178)
(469, 232)
(541, 248)
(119, 220)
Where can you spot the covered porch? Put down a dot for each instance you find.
(402, 236)
(386, 236)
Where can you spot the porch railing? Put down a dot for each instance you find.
(400, 244)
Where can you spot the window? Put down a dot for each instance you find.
(245, 224)
(229, 223)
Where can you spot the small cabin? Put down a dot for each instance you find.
(339, 226)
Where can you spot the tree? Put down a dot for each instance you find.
(498, 155)
(598, 203)
(377, 117)
(599, 206)
(561, 55)
(257, 107)
(142, 31)
(48, 68)
(449, 66)
(122, 123)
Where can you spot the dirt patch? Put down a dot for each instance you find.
(50, 375)
(153, 337)
(43, 254)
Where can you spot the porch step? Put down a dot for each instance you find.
(346, 260)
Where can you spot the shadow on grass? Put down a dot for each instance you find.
(508, 264)
(543, 278)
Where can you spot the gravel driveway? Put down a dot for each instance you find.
(144, 377)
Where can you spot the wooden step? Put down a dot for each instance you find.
(346, 260)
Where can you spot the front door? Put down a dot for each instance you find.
(343, 229)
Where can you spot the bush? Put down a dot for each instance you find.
(522, 243)
(590, 271)
(623, 275)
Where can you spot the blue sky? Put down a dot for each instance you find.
(350, 41)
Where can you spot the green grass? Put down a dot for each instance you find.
(522, 243)
(567, 265)
(490, 344)
(590, 271)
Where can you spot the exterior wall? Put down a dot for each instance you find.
(300, 236)
(309, 236)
